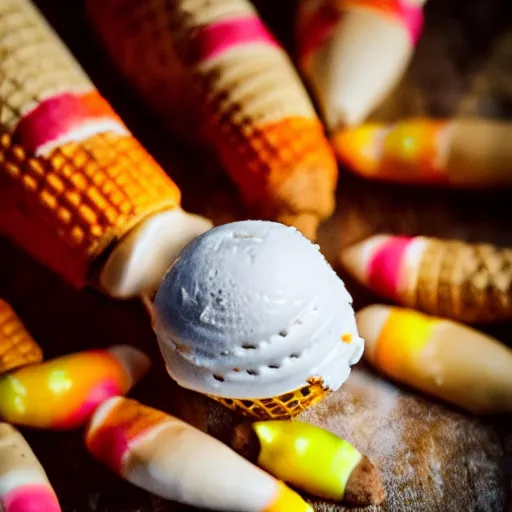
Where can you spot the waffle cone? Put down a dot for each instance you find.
(283, 406)
(258, 115)
(73, 180)
(127, 28)
(465, 282)
(17, 348)
(70, 206)
(35, 64)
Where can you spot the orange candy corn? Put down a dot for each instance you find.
(465, 153)
(439, 357)
(62, 393)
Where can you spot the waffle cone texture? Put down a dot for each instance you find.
(466, 282)
(287, 405)
(73, 179)
(17, 347)
(257, 114)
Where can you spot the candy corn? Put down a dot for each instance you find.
(172, 459)
(450, 278)
(257, 113)
(467, 153)
(73, 180)
(61, 394)
(311, 459)
(17, 347)
(24, 486)
(352, 52)
(440, 357)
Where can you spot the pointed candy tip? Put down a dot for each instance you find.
(357, 257)
(365, 486)
(370, 322)
(135, 363)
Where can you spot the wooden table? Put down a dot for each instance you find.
(433, 458)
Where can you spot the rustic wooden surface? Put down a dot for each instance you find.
(432, 457)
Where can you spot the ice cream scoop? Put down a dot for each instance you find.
(251, 313)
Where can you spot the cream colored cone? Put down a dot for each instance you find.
(259, 116)
(35, 64)
(17, 347)
(284, 406)
(450, 278)
(467, 282)
(360, 55)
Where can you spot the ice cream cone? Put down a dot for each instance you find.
(127, 28)
(353, 52)
(24, 485)
(280, 407)
(17, 347)
(258, 115)
(458, 280)
(74, 181)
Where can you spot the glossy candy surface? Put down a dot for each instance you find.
(62, 393)
(307, 457)
(440, 357)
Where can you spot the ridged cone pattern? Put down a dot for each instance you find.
(284, 406)
(258, 114)
(35, 65)
(127, 28)
(17, 347)
(68, 203)
(67, 208)
(469, 283)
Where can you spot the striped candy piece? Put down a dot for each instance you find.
(73, 179)
(24, 485)
(353, 52)
(449, 278)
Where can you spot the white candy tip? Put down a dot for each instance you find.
(141, 259)
(355, 259)
(370, 322)
(135, 363)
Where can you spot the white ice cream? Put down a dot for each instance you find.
(253, 310)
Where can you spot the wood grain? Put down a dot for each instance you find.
(432, 457)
